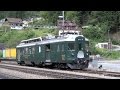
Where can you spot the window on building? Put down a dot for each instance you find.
(20, 24)
(102, 45)
(105, 46)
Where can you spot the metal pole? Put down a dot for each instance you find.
(108, 36)
(63, 22)
(109, 41)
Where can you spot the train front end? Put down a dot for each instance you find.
(81, 60)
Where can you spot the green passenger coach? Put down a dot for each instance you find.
(70, 51)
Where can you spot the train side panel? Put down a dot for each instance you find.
(13, 53)
(70, 51)
(39, 54)
(57, 53)
(9, 53)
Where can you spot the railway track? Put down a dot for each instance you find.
(105, 73)
(8, 76)
(9, 62)
(56, 75)
(62, 75)
(7, 59)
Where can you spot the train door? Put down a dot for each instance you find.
(31, 54)
(47, 53)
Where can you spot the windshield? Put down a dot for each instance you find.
(71, 46)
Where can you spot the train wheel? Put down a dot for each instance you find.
(41, 65)
(51, 66)
(33, 64)
(61, 66)
(20, 63)
(58, 66)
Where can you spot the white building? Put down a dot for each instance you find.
(13, 23)
(69, 27)
(105, 45)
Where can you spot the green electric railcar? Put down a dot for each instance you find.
(70, 51)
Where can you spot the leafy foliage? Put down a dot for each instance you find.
(1, 55)
(102, 25)
(11, 39)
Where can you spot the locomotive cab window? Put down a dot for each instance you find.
(80, 46)
(47, 47)
(71, 46)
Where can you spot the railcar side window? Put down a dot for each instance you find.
(33, 50)
(58, 48)
(23, 51)
(26, 50)
(30, 51)
(47, 47)
(71, 46)
(62, 47)
(39, 49)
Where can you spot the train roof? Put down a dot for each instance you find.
(53, 40)
(38, 38)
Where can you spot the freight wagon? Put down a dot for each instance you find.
(9, 53)
(70, 51)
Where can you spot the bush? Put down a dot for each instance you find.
(29, 34)
(108, 54)
(104, 52)
(13, 38)
(115, 42)
(94, 33)
(1, 55)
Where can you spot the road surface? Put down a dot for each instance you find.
(113, 65)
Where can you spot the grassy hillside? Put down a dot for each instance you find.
(11, 39)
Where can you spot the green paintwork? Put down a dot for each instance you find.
(56, 53)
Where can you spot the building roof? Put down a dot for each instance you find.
(66, 23)
(14, 20)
